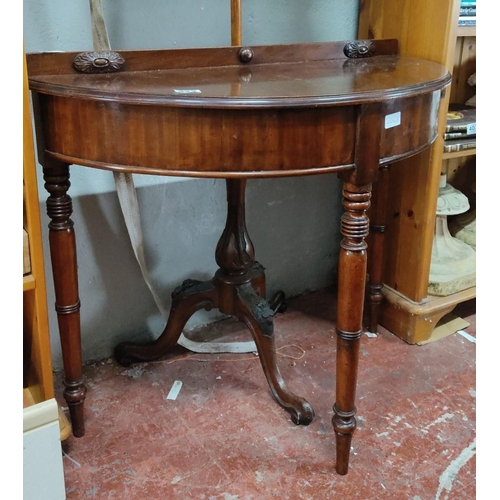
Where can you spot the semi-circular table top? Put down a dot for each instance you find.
(322, 79)
(270, 110)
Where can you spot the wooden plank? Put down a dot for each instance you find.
(426, 29)
(464, 67)
(461, 173)
(28, 282)
(415, 322)
(459, 154)
(26, 253)
(236, 31)
(466, 31)
(64, 425)
(35, 315)
(28, 399)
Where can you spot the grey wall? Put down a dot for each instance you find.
(293, 223)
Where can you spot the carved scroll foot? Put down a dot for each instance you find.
(256, 313)
(188, 298)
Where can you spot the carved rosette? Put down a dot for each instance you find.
(359, 49)
(98, 62)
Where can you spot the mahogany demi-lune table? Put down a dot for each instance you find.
(235, 113)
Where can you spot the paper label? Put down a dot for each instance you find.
(471, 129)
(174, 391)
(393, 120)
(187, 91)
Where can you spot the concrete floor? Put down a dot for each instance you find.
(224, 437)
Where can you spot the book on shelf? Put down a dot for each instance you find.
(467, 21)
(457, 135)
(459, 144)
(468, 3)
(461, 118)
(467, 10)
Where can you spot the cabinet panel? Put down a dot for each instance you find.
(427, 29)
(36, 342)
(463, 68)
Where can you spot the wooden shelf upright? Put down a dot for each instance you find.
(426, 29)
(38, 383)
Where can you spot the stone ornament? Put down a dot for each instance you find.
(463, 226)
(451, 201)
(453, 262)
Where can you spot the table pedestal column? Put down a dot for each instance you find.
(238, 289)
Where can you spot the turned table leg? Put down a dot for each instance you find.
(378, 223)
(64, 268)
(351, 289)
(352, 267)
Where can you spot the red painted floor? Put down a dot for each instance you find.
(225, 438)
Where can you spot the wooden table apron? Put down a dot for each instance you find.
(235, 113)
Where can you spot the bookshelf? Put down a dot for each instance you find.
(38, 368)
(466, 31)
(38, 383)
(459, 154)
(426, 29)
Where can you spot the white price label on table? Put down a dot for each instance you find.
(393, 120)
(187, 91)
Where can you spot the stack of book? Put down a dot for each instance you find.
(460, 132)
(467, 16)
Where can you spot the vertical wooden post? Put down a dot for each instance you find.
(236, 32)
(351, 291)
(64, 268)
(378, 224)
(352, 274)
(38, 364)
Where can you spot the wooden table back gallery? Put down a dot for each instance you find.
(234, 113)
